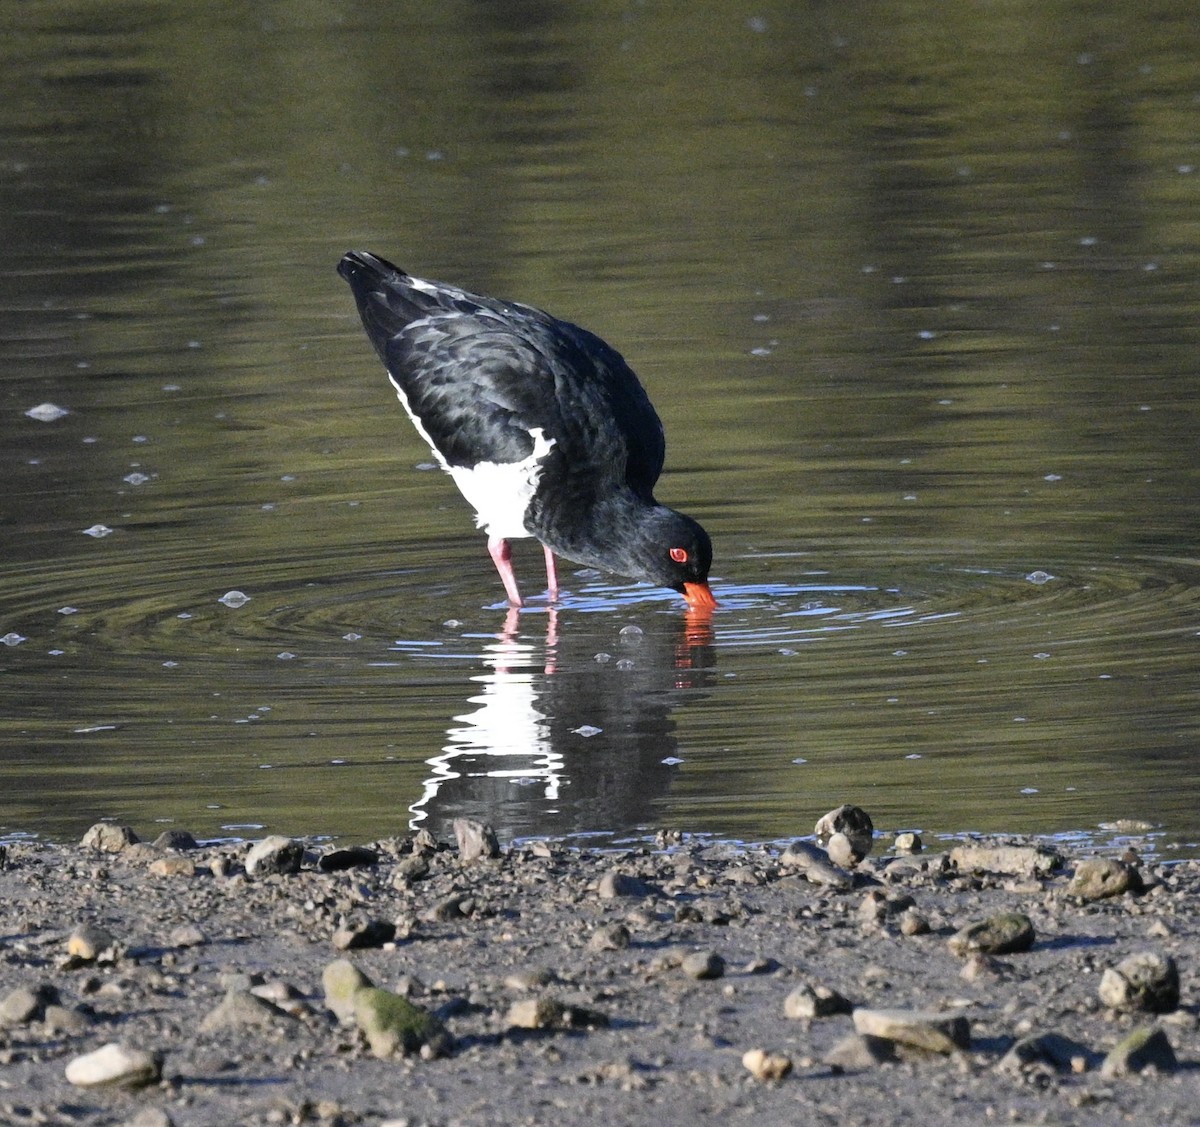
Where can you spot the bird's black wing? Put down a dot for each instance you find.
(479, 374)
(617, 396)
(476, 388)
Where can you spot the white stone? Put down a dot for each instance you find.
(115, 1064)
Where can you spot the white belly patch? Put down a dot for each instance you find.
(499, 492)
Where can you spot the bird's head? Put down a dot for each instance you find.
(674, 551)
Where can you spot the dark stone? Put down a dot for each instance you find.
(1142, 1049)
(179, 840)
(359, 934)
(1003, 934)
(355, 857)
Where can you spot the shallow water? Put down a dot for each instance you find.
(914, 294)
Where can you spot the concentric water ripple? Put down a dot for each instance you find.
(332, 699)
(306, 606)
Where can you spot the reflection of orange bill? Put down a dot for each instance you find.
(697, 634)
(699, 596)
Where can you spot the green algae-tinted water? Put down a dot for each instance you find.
(914, 290)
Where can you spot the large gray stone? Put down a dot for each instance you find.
(1144, 981)
(1002, 934)
(1014, 860)
(104, 837)
(849, 834)
(1099, 878)
(274, 854)
(476, 840)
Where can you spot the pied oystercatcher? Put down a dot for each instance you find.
(544, 428)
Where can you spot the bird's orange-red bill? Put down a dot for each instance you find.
(699, 596)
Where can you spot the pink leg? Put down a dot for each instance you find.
(501, 553)
(512, 623)
(551, 574)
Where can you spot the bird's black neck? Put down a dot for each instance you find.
(610, 534)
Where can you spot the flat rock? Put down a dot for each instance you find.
(935, 1032)
(859, 1051)
(1143, 1048)
(1145, 981)
(240, 1008)
(1014, 860)
(1002, 934)
(909, 868)
(535, 1013)
(172, 867)
(1098, 878)
(117, 1065)
(274, 854)
(814, 863)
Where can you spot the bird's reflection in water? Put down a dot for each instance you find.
(572, 731)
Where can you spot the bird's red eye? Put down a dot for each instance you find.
(679, 555)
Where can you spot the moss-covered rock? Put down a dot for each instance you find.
(394, 1025)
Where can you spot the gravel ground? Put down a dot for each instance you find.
(677, 983)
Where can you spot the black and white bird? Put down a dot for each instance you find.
(543, 427)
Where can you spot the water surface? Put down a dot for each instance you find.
(913, 288)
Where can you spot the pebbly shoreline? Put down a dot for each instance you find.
(419, 982)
